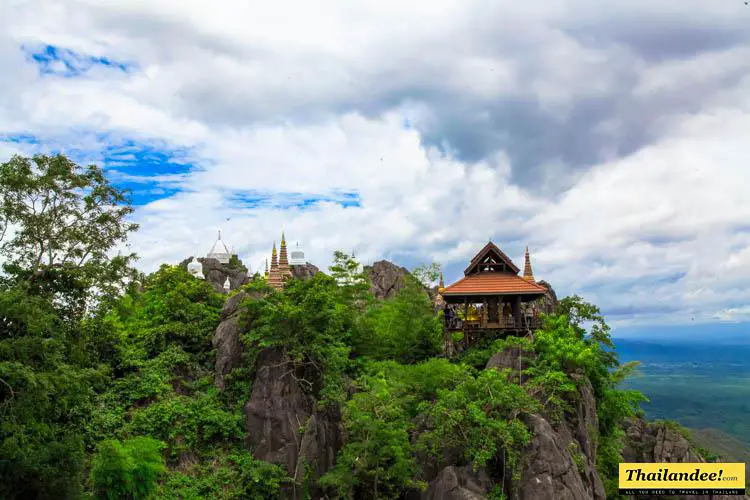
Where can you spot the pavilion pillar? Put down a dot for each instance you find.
(447, 337)
(516, 310)
(466, 316)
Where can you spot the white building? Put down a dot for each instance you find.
(220, 251)
(195, 268)
(297, 257)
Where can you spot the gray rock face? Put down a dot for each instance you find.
(560, 460)
(656, 442)
(386, 279)
(276, 413)
(216, 273)
(459, 483)
(548, 303)
(550, 470)
(226, 339)
(304, 272)
(513, 358)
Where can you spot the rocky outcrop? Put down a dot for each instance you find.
(284, 425)
(550, 470)
(514, 358)
(657, 442)
(226, 339)
(548, 303)
(459, 483)
(662, 442)
(386, 279)
(216, 273)
(304, 272)
(560, 460)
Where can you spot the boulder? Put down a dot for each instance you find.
(386, 279)
(277, 409)
(459, 483)
(548, 303)
(550, 471)
(321, 442)
(285, 427)
(216, 273)
(662, 442)
(657, 442)
(514, 358)
(226, 339)
(304, 272)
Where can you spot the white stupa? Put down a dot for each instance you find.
(297, 257)
(220, 251)
(227, 285)
(195, 268)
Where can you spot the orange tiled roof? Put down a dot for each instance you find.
(493, 283)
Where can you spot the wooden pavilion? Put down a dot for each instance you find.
(491, 299)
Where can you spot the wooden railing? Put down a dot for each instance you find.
(504, 323)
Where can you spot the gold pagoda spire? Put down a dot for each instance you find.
(274, 278)
(284, 270)
(266, 275)
(441, 285)
(528, 275)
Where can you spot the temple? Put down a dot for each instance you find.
(491, 299)
(280, 270)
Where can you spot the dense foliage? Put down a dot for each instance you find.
(107, 383)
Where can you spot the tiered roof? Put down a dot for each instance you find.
(491, 272)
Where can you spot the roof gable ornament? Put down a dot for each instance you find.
(491, 258)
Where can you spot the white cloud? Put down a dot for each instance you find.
(314, 102)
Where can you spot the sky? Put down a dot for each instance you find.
(612, 140)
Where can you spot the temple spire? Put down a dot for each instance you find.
(266, 275)
(528, 275)
(285, 271)
(283, 261)
(274, 277)
(442, 282)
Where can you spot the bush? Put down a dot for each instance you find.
(127, 470)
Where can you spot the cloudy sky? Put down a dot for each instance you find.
(612, 140)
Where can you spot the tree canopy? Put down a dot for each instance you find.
(107, 375)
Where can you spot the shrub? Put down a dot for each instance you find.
(127, 470)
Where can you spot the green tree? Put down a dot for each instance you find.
(404, 327)
(311, 321)
(58, 224)
(127, 470)
(352, 279)
(480, 416)
(427, 274)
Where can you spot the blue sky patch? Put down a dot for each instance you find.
(262, 199)
(63, 62)
(150, 170)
